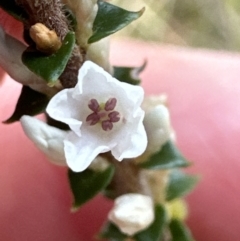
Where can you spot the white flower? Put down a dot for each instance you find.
(132, 213)
(47, 138)
(103, 114)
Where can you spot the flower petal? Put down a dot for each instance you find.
(132, 140)
(64, 108)
(80, 152)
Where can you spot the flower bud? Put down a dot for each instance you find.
(47, 138)
(158, 128)
(46, 40)
(132, 213)
(177, 209)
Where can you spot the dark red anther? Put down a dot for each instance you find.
(93, 105)
(107, 125)
(93, 119)
(110, 104)
(114, 116)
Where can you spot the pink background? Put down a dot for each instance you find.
(203, 88)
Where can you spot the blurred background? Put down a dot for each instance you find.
(198, 23)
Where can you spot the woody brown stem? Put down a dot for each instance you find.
(127, 178)
(50, 13)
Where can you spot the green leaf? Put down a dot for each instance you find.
(85, 185)
(168, 157)
(50, 67)
(180, 184)
(112, 232)
(110, 19)
(180, 231)
(155, 231)
(13, 9)
(129, 75)
(30, 103)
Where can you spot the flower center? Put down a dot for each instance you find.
(103, 114)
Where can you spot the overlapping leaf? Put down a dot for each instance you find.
(112, 232)
(129, 75)
(85, 185)
(52, 66)
(110, 19)
(180, 184)
(30, 103)
(179, 231)
(168, 157)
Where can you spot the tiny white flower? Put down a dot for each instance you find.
(132, 213)
(47, 138)
(103, 114)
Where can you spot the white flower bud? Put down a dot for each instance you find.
(132, 213)
(47, 138)
(158, 128)
(99, 53)
(154, 100)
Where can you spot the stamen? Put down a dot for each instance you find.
(93, 118)
(114, 116)
(93, 105)
(107, 125)
(106, 116)
(110, 104)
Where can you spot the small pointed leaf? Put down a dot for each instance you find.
(85, 185)
(30, 103)
(50, 67)
(129, 75)
(155, 231)
(180, 231)
(168, 157)
(180, 184)
(111, 232)
(110, 19)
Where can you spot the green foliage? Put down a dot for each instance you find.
(85, 185)
(155, 231)
(180, 231)
(13, 9)
(110, 19)
(112, 232)
(50, 67)
(30, 103)
(180, 184)
(168, 157)
(129, 75)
